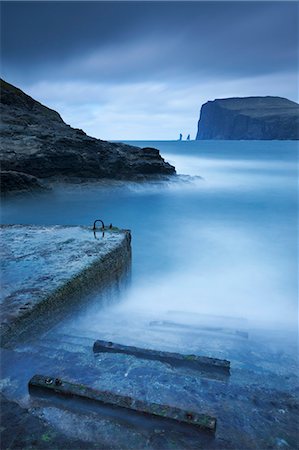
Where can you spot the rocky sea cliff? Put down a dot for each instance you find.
(254, 118)
(36, 144)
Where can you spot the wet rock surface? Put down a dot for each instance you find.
(45, 268)
(11, 182)
(36, 141)
(249, 118)
(21, 430)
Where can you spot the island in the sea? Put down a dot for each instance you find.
(36, 144)
(249, 118)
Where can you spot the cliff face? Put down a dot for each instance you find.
(249, 118)
(36, 141)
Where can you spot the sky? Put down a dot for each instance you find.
(141, 70)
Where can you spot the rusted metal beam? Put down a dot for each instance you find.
(190, 360)
(62, 387)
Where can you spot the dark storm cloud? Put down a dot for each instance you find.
(142, 69)
(144, 40)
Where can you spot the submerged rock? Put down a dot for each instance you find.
(249, 118)
(36, 141)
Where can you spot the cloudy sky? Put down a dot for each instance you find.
(142, 70)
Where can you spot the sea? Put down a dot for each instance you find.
(214, 272)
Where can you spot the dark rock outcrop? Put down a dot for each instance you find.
(36, 141)
(249, 118)
(11, 181)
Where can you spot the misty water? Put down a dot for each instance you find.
(214, 267)
(225, 243)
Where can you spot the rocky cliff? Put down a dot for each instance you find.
(249, 118)
(37, 142)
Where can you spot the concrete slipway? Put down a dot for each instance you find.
(46, 269)
(48, 272)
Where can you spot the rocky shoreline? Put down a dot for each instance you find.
(36, 142)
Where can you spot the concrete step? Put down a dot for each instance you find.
(51, 347)
(200, 329)
(76, 340)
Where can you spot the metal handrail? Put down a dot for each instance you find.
(98, 220)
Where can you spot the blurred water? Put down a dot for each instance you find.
(221, 239)
(214, 273)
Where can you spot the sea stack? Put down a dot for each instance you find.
(249, 118)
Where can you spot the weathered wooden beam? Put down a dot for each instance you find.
(190, 360)
(198, 328)
(56, 385)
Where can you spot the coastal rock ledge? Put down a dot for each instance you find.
(249, 118)
(37, 142)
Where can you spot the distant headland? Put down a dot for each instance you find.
(249, 118)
